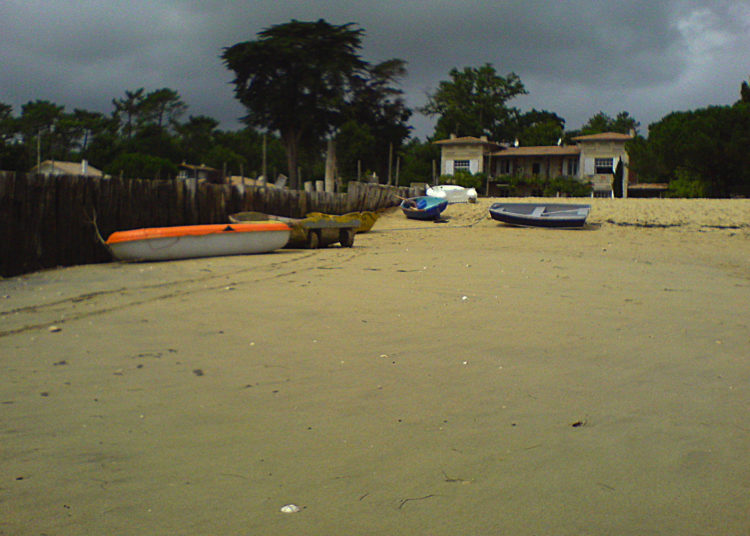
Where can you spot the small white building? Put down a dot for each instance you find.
(600, 154)
(201, 173)
(466, 154)
(56, 167)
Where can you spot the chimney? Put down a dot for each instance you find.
(84, 167)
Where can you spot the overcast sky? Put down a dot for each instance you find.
(576, 58)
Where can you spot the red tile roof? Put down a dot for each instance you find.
(605, 136)
(541, 150)
(466, 140)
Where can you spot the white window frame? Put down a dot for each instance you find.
(462, 165)
(603, 166)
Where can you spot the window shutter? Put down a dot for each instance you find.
(588, 166)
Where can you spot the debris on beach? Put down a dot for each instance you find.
(54, 329)
(290, 509)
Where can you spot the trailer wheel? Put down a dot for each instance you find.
(346, 238)
(313, 240)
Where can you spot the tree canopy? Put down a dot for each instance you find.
(702, 151)
(474, 103)
(744, 92)
(142, 137)
(540, 127)
(375, 119)
(601, 122)
(295, 79)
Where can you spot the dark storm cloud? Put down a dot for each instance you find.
(569, 41)
(576, 58)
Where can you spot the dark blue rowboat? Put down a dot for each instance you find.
(423, 208)
(540, 214)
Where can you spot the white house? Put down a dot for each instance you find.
(592, 159)
(56, 167)
(466, 154)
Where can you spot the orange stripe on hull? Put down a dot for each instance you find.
(194, 230)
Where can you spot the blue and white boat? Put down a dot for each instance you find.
(423, 208)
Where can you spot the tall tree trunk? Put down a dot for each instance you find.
(291, 144)
(291, 161)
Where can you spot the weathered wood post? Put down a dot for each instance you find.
(330, 165)
(390, 162)
(264, 159)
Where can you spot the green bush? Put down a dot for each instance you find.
(141, 166)
(687, 184)
(535, 185)
(465, 179)
(566, 187)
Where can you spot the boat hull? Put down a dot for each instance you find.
(453, 193)
(423, 208)
(540, 214)
(193, 241)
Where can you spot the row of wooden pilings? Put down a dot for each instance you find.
(48, 221)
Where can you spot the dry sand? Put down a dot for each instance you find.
(436, 379)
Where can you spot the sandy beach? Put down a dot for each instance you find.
(456, 378)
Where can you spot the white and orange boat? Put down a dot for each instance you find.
(185, 242)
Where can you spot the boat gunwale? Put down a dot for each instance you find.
(569, 215)
(194, 230)
(435, 208)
